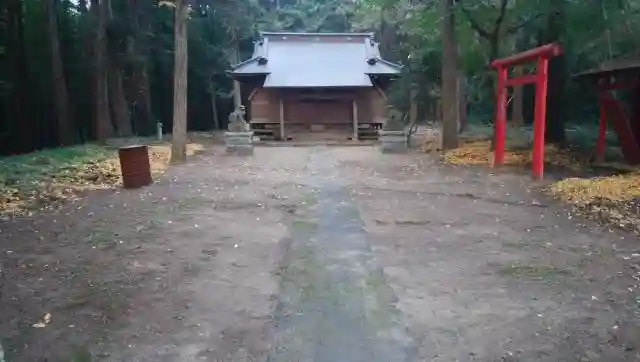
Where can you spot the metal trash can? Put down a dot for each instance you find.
(135, 167)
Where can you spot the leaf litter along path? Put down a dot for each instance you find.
(319, 254)
(42, 180)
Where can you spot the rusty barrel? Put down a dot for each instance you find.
(134, 163)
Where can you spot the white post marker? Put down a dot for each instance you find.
(159, 130)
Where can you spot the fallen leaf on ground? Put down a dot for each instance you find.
(476, 152)
(611, 199)
(43, 323)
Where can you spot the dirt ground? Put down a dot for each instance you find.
(318, 254)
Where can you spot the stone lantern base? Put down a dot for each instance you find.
(393, 141)
(239, 143)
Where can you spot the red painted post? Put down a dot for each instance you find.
(501, 117)
(602, 132)
(526, 79)
(537, 156)
(542, 55)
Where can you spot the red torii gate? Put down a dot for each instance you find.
(625, 124)
(541, 55)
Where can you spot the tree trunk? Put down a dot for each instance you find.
(21, 130)
(494, 47)
(557, 75)
(388, 35)
(179, 137)
(237, 91)
(520, 43)
(137, 49)
(413, 105)
(140, 97)
(517, 111)
(85, 122)
(144, 121)
(60, 96)
(104, 128)
(144, 98)
(119, 107)
(237, 94)
(462, 103)
(214, 105)
(449, 77)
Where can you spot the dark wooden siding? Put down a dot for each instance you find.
(377, 106)
(265, 106)
(318, 106)
(318, 111)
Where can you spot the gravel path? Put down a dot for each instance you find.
(319, 254)
(335, 304)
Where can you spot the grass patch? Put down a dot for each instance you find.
(525, 243)
(309, 199)
(59, 163)
(102, 239)
(81, 354)
(304, 226)
(49, 176)
(44, 178)
(534, 271)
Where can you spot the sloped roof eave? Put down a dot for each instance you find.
(282, 69)
(608, 70)
(392, 68)
(387, 74)
(248, 61)
(392, 64)
(626, 62)
(238, 68)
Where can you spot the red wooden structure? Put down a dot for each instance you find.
(626, 124)
(541, 55)
(623, 113)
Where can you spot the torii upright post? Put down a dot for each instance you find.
(541, 55)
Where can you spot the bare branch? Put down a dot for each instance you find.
(503, 12)
(514, 28)
(474, 24)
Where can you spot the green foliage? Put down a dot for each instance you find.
(592, 31)
(311, 16)
(26, 169)
(139, 36)
(409, 31)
